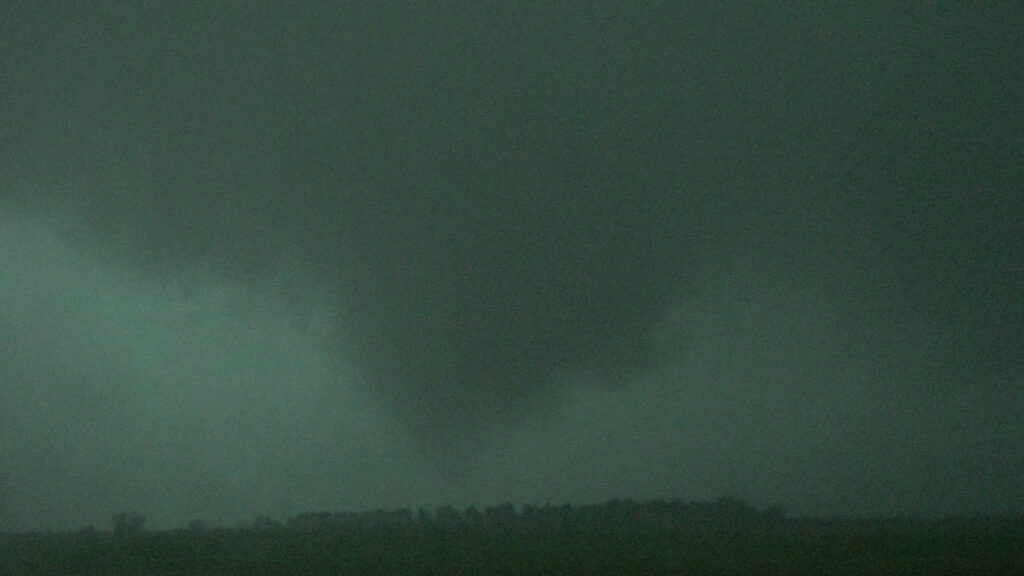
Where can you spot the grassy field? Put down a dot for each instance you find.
(790, 547)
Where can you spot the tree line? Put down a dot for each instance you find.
(612, 515)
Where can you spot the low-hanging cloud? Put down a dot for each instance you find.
(213, 399)
(353, 256)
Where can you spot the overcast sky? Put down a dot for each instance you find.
(262, 258)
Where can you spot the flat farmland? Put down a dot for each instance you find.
(794, 546)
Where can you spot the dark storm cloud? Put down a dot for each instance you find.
(494, 207)
(214, 402)
(492, 210)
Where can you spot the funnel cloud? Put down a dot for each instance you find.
(267, 261)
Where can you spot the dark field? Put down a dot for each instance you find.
(837, 547)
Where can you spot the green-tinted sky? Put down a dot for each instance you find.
(263, 258)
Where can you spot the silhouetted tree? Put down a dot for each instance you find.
(310, 521)
(197, 526)
(399, 517)
(502, 514)
(127, 523)
(423, 517)
(473, 516)
(266, 524)
(447, 515)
